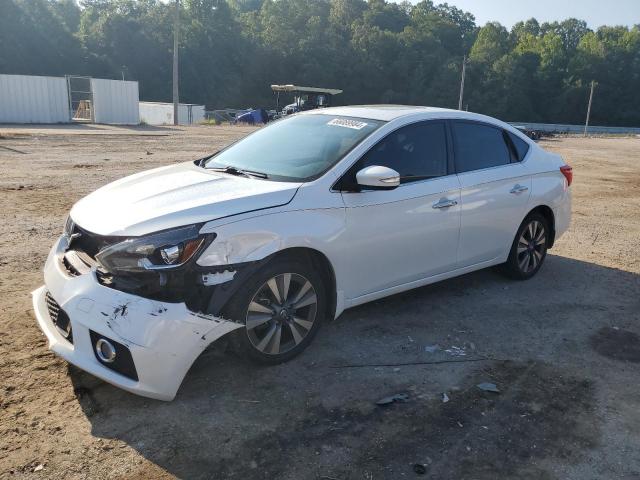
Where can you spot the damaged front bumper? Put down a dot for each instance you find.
(163, 339)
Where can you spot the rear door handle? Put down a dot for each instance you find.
(445, 203)
(519, 189)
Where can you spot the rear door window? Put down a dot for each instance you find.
(479, 146)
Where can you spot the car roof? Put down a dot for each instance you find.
(388, 113)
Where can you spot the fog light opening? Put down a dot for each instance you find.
(105, 350)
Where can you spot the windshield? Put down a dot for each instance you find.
(297, 148)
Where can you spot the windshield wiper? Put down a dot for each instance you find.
(238, 171)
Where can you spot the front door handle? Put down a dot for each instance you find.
(518, 189)
(445, 203)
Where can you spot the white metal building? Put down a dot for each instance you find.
(115, 101)
(34, 99)
(158, 113)
(29, 99)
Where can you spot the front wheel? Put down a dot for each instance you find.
(282, 307)
(529, 248)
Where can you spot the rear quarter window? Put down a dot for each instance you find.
(521, 147)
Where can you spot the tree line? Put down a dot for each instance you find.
(376, 51)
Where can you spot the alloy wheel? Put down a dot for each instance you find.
(531, 246)
(281, 313)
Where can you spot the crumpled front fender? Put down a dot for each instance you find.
(164, 338)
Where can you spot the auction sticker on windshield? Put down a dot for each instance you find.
(342, 122)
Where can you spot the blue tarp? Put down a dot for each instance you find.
(258, 115)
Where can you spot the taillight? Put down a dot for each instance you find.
(567, 171)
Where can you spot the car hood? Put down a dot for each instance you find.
(173, 196)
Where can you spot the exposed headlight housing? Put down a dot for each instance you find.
(158, 251)
(171, 255)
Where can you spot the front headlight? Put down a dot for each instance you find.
(158, 251)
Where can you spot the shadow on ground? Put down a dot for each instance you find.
(549, 353)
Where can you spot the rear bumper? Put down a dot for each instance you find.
(562, 214)
(163, 338)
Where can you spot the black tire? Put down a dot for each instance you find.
(246, 341)
(524, 264)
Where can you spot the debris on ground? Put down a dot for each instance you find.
(38, 468)
(431, 348)
(398, 397)
(419, 468)
(445, 398)
(456, 351)
(488, 387)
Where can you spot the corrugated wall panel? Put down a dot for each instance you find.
(115, 101)
(157, 113)
(197, 115)
(30, 99)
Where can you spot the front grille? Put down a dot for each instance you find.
(59, 318)
(77, 263)
(71, 270)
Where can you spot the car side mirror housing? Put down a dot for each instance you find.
(377, 177)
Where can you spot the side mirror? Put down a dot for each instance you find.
(377, 177)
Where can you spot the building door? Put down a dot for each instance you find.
(81, 103)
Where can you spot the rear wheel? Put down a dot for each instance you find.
(282, 307)
(529, 248)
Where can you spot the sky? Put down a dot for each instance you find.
(509, 12)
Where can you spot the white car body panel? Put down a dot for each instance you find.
(490, 213)
(315, 229)
(395, 237)
(154, 200)
(377, 242)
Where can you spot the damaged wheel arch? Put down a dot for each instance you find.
(221, 297)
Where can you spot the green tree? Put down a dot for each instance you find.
(375, 50)
(36, 38)
(491, 44)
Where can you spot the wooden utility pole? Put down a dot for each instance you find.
(176, 30)
(464, 71)
(586, 125)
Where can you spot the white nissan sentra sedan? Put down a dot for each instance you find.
(313, 214)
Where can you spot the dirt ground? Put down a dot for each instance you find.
(562, 348)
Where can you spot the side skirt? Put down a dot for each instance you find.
(369, 297)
